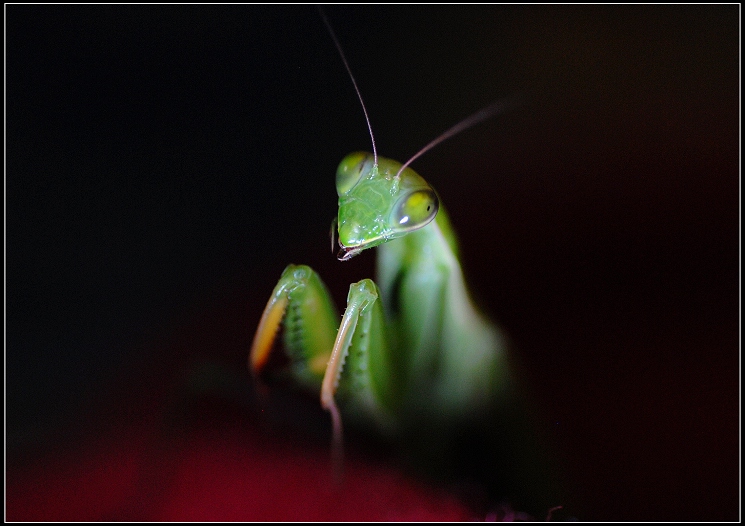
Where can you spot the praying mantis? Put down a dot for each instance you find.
(412, 353)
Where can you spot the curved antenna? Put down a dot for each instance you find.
(493, 109)
(346, 65)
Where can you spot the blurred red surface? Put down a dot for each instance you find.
(198, 448)
(226, 474)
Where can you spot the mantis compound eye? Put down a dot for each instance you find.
(352, 168)
(415, 210)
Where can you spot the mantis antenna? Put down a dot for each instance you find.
(349, 70)
(493, 109)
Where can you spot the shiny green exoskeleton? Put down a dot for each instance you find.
(411, 349)
(412, 359)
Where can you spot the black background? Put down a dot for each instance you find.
(168, 161)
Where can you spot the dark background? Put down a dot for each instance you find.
(165, 163)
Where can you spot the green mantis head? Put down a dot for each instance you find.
(377, 204)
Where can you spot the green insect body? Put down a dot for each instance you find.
(412, 358)
(412, 351)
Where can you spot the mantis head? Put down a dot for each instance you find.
(378, 204)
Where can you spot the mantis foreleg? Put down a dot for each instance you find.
(319, 354)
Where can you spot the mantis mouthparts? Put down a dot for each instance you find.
(347, 253)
